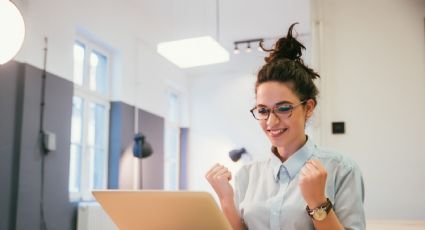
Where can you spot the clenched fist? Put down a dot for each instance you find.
(219, 176)
(312, 183)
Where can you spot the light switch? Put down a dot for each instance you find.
(338, 127)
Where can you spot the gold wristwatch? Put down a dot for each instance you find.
(321, 212)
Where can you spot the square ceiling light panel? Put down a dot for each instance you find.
(193, 52)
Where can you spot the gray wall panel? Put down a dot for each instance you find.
(59, 212)
(184, 149)
(10, 123)
(121, 134)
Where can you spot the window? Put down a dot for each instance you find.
(172, 142)
(90, 120)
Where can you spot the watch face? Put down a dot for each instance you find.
(320, 214)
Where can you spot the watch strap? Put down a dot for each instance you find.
(327, 206)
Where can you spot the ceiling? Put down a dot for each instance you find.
(235, 20)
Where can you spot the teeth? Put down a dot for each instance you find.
(277, 131)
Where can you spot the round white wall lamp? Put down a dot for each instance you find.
(12, 28)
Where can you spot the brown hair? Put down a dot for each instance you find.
(284, 64)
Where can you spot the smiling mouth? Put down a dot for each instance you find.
(276, 132)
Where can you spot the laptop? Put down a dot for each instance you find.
(162, 210)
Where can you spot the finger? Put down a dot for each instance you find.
(312, 169)
(221, 171)
(316, 163)
(226, 175)
(305, 171)
(308, 169)
(320, 167)
(214, 170)
(218, 171)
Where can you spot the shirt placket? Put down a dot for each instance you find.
(276, 206)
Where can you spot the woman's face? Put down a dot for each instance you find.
(283, 130)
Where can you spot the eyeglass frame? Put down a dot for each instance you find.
(272, 110)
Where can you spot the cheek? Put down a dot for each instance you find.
(299, 121)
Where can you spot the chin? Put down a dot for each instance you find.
(278, 143)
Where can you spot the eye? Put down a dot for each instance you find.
(284, 108)
(262, 111)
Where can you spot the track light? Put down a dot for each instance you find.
(240, 154)
(248, 48)
(256, 43)
(248, 45)
(236, 50)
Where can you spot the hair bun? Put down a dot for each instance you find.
(285, 48)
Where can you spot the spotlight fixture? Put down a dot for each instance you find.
(236, 49)
(257, 41)
(240, 154)
(248, 45)
(248, 48)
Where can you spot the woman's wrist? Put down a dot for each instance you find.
(227, 202)
(312, 204)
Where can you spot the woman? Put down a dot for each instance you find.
(300, 186)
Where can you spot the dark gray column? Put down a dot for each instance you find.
(20, 104)
(152, 126)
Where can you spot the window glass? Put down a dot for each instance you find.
(79, 54)
(75, 168)
(172, 143)
(98, 70)
(76, 143)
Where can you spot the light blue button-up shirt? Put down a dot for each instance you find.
(268, 196)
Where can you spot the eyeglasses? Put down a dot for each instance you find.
(283, 111)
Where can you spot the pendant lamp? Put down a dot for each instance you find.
(12, 29)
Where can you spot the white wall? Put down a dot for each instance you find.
(156, 77)
(117, 25)
(220, 122)
(220, 101)
(373, 60)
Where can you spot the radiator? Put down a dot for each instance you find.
(91, 216)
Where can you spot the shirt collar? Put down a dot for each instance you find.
(295, 162)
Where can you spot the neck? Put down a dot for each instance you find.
(287, 151)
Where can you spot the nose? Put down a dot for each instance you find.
(272, 120)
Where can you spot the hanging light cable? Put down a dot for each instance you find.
(12, 27)
(196, 51)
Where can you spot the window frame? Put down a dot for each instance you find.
(89, 96)
(176, 125)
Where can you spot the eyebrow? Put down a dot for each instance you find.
(276, 104)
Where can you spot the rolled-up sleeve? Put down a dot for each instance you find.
(349, 198)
